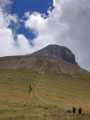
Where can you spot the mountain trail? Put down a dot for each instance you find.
(34, 94)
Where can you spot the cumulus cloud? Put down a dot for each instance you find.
(4, 3)
(9, 45)
(68, 24)
(23, 45)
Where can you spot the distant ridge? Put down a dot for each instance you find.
(59, 52)
(51, 58)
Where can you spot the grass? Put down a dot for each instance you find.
(52, 95)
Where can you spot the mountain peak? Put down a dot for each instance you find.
(59, 52)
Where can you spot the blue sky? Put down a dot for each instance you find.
(29, 25)
(20, 7)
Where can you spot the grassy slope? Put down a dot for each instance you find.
(53, 94)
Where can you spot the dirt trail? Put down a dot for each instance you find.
(34, 94)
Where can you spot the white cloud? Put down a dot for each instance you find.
(5, 19)
(9, 46)
(23, 45)
(6, 42)
(4, 3)
(68, 24)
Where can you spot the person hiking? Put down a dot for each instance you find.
(74, 110)
(80, 110)
(30, 88)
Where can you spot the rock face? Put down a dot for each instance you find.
(59, 52)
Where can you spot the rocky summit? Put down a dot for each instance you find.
(59, 52)
(51, 58)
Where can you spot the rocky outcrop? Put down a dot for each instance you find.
(51, 58)
(59, 52)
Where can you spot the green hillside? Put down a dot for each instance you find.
(53, 94)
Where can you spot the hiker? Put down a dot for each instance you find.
(30, 88)
(80, 110)
(74, 110)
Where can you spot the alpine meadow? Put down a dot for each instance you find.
(58, 84)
